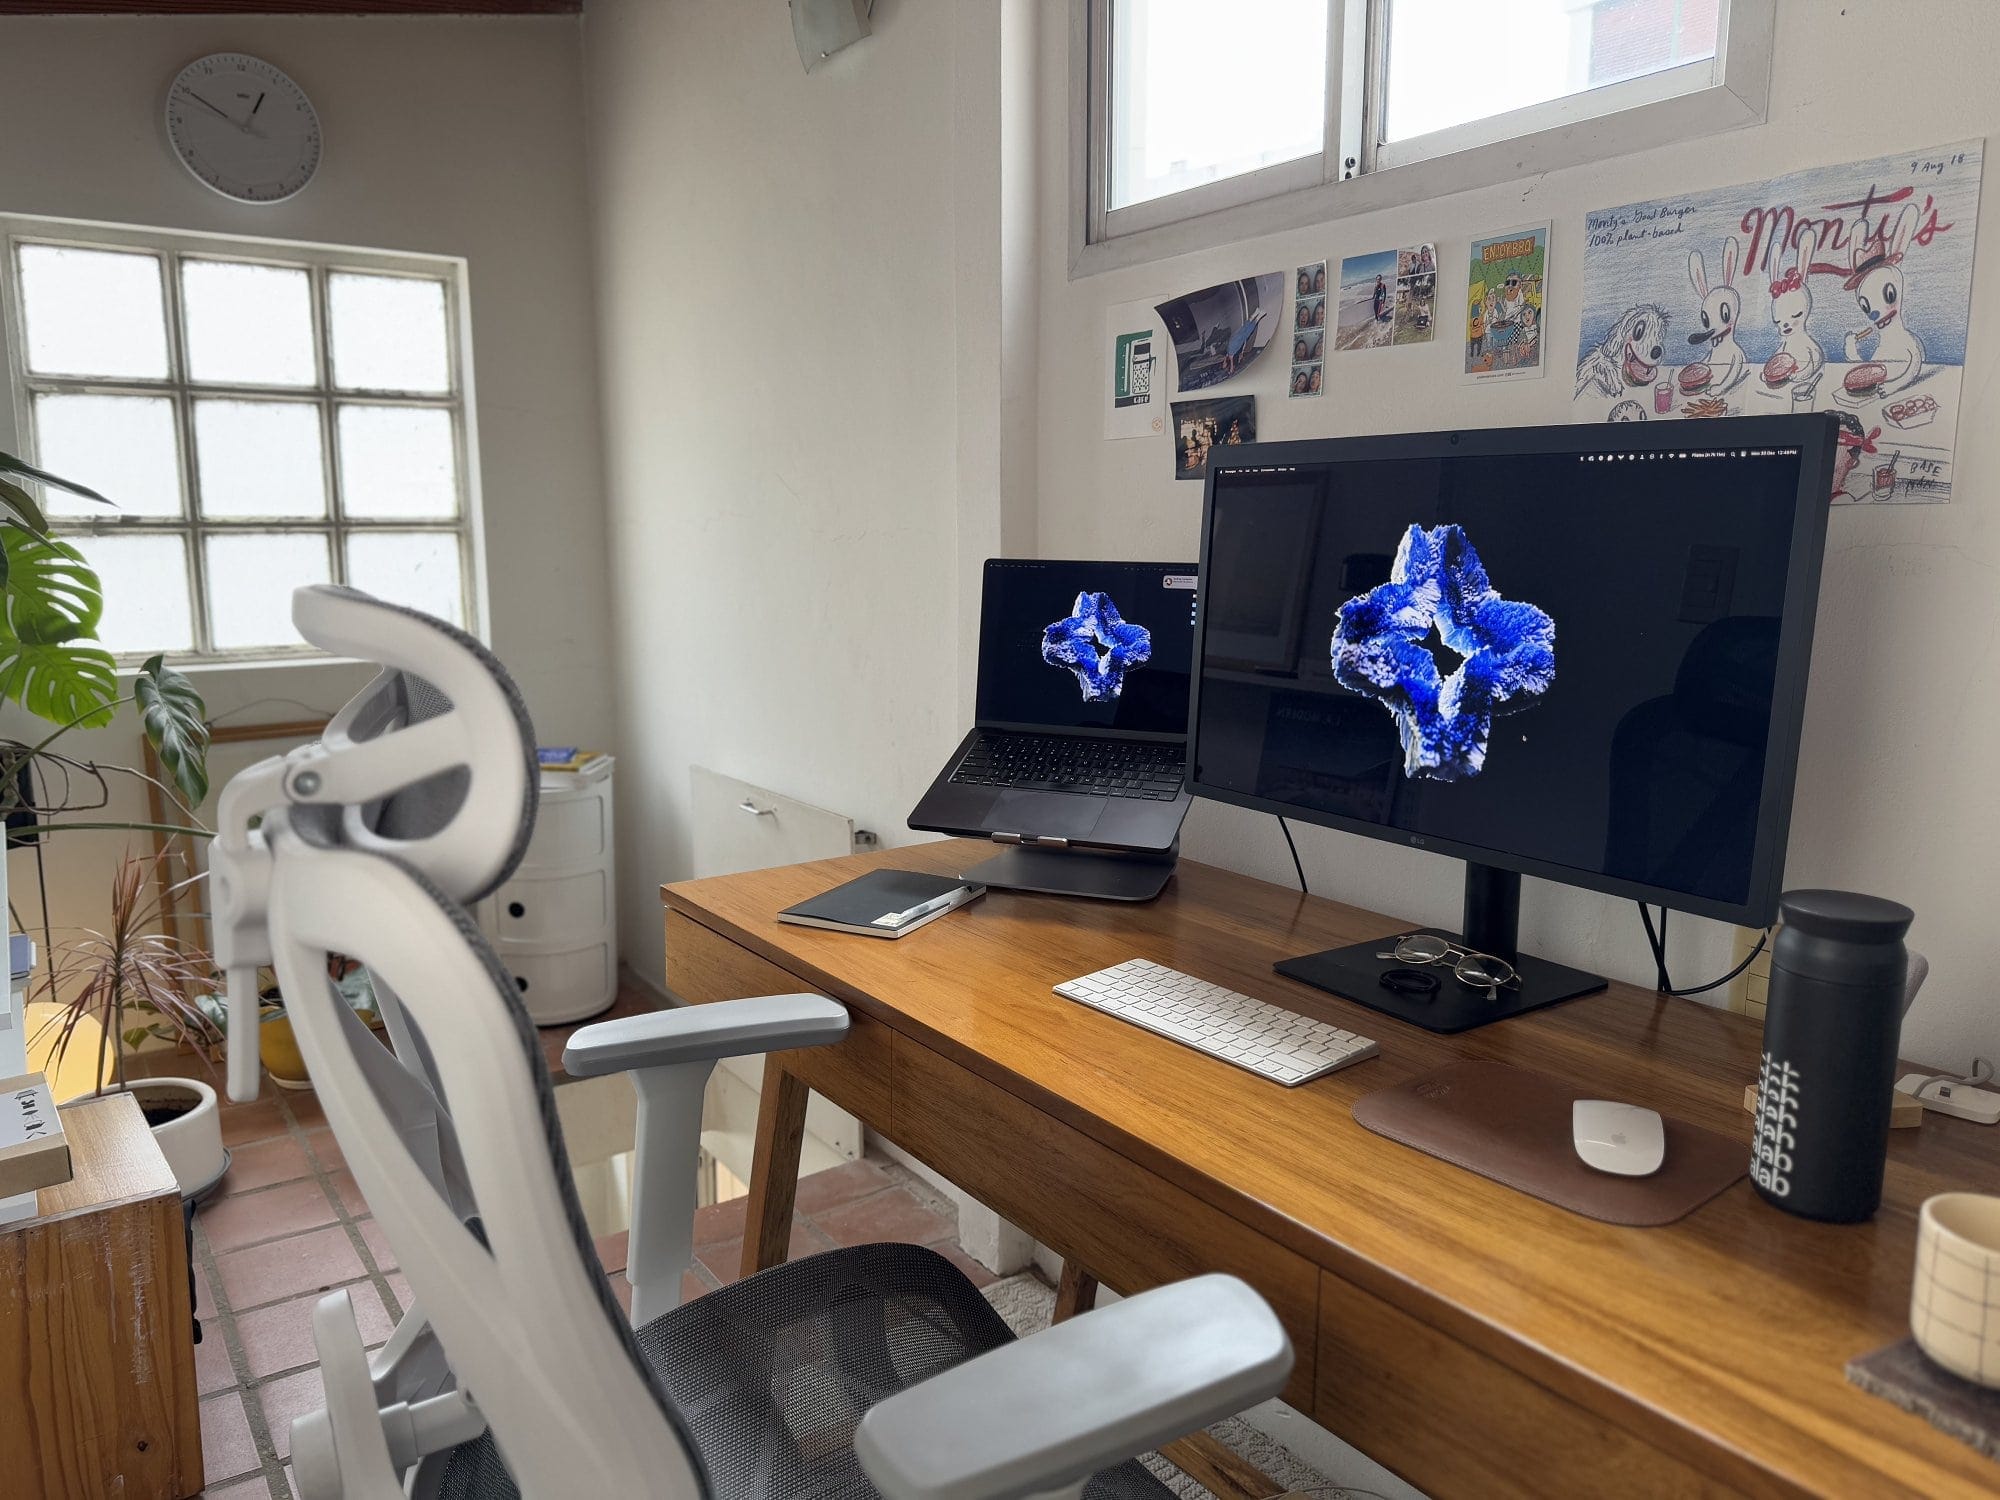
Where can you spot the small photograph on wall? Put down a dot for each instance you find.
(1504, 296)
(1416, 295)
(1311, 313)
(1219, 331)
(1200, 426)
(1308, 349)
(1311, 281)
(1135, 393)
(1366, 315)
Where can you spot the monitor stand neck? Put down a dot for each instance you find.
(1492, 921)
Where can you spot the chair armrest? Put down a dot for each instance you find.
(703, 1033)
(1050, 1410)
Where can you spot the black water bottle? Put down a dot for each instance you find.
(1831, 1025)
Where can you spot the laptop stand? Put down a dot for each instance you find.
(1098, 874)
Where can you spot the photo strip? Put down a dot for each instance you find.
(1308, 328)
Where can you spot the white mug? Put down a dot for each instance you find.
(1955, 1298)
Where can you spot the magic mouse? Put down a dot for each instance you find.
(1626, 1139)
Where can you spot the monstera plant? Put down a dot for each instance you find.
(53, 665)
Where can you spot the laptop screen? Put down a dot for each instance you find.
(1086, 645)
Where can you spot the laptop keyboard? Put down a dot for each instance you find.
(1064, 763)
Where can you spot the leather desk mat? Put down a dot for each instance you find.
(1513, 1125)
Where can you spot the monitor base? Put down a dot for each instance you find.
(1070, 872)
(1355, 973)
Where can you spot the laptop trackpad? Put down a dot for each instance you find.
(1056, 815)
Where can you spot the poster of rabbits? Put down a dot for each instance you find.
(1842, 289)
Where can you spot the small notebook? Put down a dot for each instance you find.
(884, 903)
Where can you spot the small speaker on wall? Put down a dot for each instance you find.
(824, 27)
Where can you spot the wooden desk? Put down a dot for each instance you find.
(1471, 1338)
(97, 1324)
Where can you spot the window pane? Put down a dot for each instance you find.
(1448, 66)
(1201, 91)
(417, 568)
(259, 458)
(146, 604)
(248, 325)
(397, 463)
(251, 576)
(93, 312)
(121, 446)
(389, 334)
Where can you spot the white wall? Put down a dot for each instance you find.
(446, 136)
(1896, 791)
(776, 271)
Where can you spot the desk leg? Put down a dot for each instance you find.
(1224, 1472)
(1076, 1292)
(774, 1169)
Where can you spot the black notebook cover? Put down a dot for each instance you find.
(855, 906)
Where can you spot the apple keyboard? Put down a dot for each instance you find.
(1265, 1039)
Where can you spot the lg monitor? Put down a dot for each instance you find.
(1576, 652)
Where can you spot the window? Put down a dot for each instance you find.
(263, 416)
(1191, 109)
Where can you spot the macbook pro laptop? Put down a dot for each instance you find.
(1081, 722)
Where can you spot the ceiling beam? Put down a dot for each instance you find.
(289, 7)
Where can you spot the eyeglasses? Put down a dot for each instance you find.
(1479, 971)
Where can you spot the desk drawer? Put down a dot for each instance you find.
(704, 966)
(1131, 1229)
(1454, 1422)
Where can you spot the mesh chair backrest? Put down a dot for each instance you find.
(402, 925)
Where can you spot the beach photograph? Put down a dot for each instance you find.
(1367, 312)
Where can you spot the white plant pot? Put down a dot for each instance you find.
(192, 1141)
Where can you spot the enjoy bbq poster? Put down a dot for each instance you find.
(1842, 289)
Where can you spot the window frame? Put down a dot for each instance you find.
(320, 263)
(1357, 173)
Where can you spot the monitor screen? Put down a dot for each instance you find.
(1572, 652)
(1086, 645)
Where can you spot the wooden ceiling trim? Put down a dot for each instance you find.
(289, 7)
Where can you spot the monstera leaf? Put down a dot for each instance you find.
(172, 715)
(50, 662)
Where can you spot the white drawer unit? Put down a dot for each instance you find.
(555, 922)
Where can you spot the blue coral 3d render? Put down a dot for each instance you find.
(1100, 647)
(1381, 648)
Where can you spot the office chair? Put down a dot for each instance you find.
(873, 1370)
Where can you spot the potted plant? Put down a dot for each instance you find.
(136, 983)
(53, 665)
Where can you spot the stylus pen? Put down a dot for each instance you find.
(903, 919)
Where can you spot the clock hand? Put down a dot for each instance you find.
(258, 105)
(215, 107)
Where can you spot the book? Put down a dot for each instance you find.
(884, 903)
(568, 760)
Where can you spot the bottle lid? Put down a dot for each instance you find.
(1845, 916)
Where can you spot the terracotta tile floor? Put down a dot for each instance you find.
(289, 1225)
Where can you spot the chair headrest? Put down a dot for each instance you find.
(462, 807)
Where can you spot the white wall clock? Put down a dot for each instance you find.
(243, 128)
